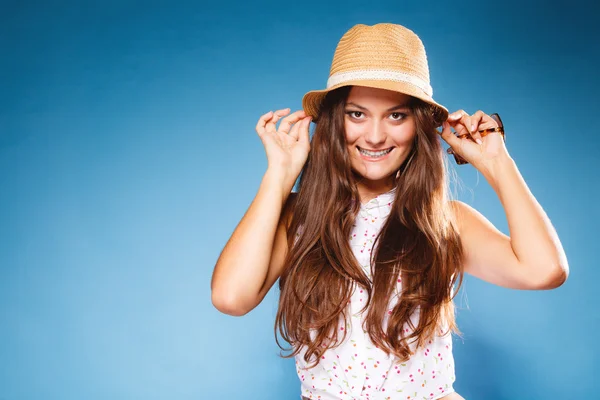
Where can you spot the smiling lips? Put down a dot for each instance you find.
(374, 155)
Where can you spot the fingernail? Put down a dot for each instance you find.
(478, 141)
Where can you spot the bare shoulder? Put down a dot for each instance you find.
(488, 252)
(470, 221)
(468, 218)
(458, 210)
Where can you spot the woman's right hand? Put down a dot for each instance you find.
(287, 149)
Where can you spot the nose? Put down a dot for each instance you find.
(375, 134)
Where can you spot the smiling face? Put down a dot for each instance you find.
(380, 131)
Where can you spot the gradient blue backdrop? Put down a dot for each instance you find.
(128, 155)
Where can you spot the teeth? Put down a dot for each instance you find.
(373, 153)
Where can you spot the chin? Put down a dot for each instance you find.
(375, 175)
(376, 172)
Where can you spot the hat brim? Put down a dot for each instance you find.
(311, 101)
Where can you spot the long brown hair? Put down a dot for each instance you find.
(418, 243)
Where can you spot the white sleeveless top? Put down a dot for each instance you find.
(357, 370)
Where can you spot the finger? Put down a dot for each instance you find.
(476, 121)
(462, 132)
(448, 136)
(487, 123)
(456, 115)
(466, 121)
(287, 122)
(270, 126)
(262, 121)
(459, 118)
(295, 129)
(304, 131)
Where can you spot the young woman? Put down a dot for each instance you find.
(369, 250)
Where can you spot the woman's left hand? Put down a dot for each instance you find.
(479, 151)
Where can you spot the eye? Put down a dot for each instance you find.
(356, 115)
(351, 114)
(401, 116)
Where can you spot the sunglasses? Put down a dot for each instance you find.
(484, 132)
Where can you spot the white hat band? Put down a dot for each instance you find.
(375, 74)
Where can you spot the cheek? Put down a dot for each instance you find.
(401, 136)
(352, 133)
(404, 139)
(404, 135)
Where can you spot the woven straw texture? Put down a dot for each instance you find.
(385, 56)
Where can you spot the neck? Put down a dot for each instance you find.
(368, 189)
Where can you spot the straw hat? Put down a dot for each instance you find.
(385, 56)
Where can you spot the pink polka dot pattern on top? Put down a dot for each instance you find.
(357, 369)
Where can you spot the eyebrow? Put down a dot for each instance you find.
(399, 106)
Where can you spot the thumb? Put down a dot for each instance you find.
(304, 136)
(448, 136)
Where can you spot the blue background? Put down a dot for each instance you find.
(128, 155)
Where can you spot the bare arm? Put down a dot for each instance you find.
(240, 275)
(253, 257)
(532, 257)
